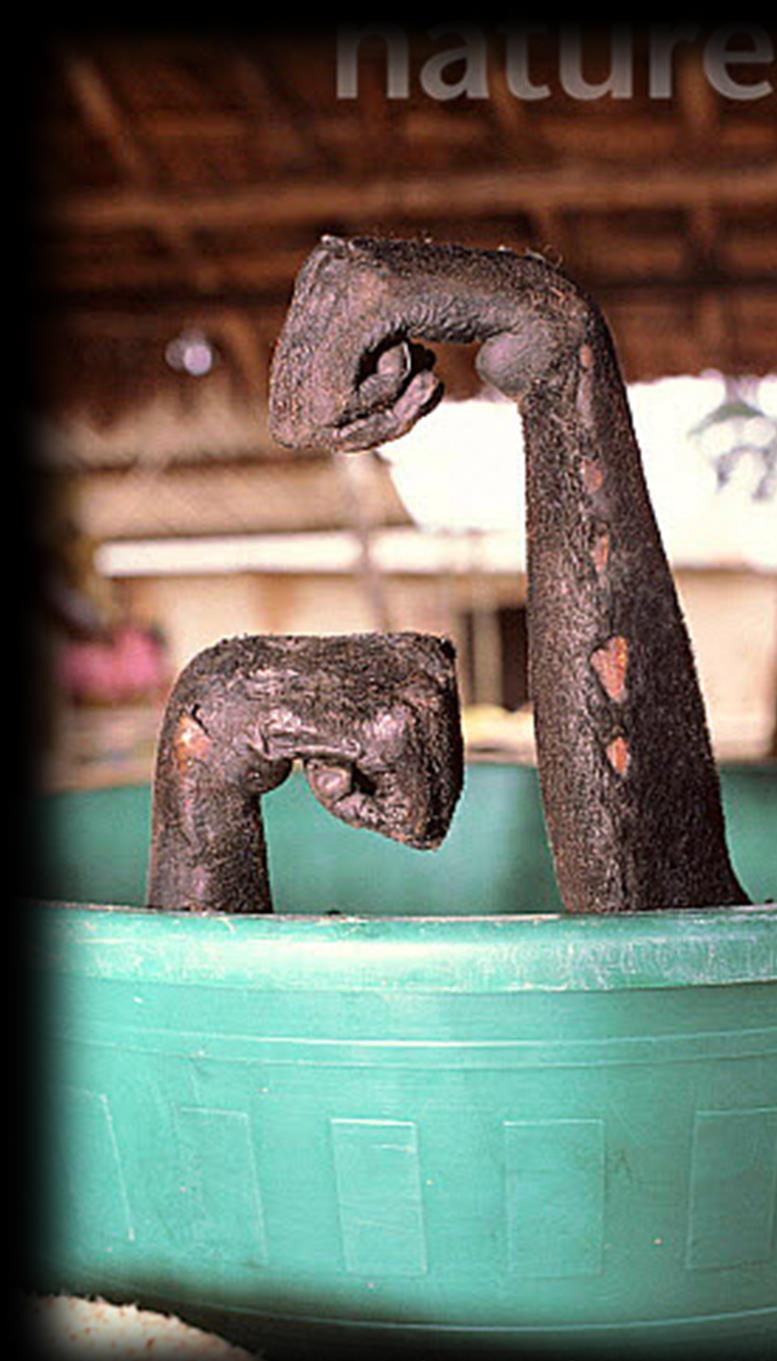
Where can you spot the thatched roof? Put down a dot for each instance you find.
(183, 178)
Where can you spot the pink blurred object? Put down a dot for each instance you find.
(129, 666)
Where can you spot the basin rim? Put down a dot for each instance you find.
(706, 947)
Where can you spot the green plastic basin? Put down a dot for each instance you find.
(500, 1132)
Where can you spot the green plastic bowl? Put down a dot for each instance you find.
(501, 1132)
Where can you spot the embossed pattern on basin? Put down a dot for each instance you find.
(501, 1130)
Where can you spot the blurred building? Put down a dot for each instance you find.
(180, 183)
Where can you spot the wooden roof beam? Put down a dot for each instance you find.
(463, 194)
(699, 104)
(700, 111)
(266, 98)
(104, 117)
(103, 114)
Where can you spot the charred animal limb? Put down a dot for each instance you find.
(629, 785)
(374, 719)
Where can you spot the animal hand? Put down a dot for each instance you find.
(375, 724)
(348, 372)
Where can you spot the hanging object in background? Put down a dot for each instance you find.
(736, 430)
(191, 352)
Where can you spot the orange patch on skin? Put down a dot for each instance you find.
(610, 663)
(600, 553)
(191, 742)
(584, 400)
(592, 475)
(618, 755)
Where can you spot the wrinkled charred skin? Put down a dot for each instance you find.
(630, 789)
(374, 719)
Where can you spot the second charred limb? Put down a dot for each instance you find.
(373, 718)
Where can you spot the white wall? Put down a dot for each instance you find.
(731, 615)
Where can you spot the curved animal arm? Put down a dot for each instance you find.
(374, 719)
(630, 790)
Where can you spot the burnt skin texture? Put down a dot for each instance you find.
(629, 786)
(373, 718)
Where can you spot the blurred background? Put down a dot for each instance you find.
(180, 180)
